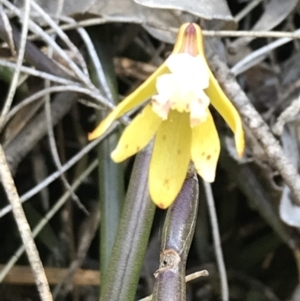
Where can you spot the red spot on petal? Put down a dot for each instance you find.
(208, 157)
(166, 183)
(161, 206)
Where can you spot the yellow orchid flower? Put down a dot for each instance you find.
(181, 90)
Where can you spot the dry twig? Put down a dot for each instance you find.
(24, 229)
(21, 275)
(15, 79)
(43, 222)
(188, 278)
(260, 130)
(90, 228)
(217, 240)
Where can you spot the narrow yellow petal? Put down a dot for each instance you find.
(170, 159)
(226, 109)
(142, 93)
(137, 135)
(205, 149)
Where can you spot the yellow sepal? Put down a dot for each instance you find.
(226, 109)
(205, 149)
(137, 135)
(142, 93)
(170, 159)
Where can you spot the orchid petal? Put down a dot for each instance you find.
(142, 93)
(170, 159)
(220, 101)
(205, 149)
(137, 135)
(226, 109)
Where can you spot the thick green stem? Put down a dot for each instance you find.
(123, 272)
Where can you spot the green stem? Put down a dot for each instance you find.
(127, 257)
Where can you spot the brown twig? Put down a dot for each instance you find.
(24, 229)
(33, 54)
(23, 275)
(177, 237)
(30, 135)
(188, 278)
(37, 128)
(15, 78)
(44, 221)
(90, 228)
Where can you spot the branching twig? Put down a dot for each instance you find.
(35, 97)
(41, 74)
(62, 35)
(188, 278)
(14, 81)
(33, 54)
(177, 236)
(290, 112)
(47, 106)
(51, 178)
(9, 31)
(37, 29)
(260, 130)
(39, 227)
(259, 55)
(94, 58)
(36, 129)
(90, 227)
(56, 158)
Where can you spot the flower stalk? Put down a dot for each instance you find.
(123, 271)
